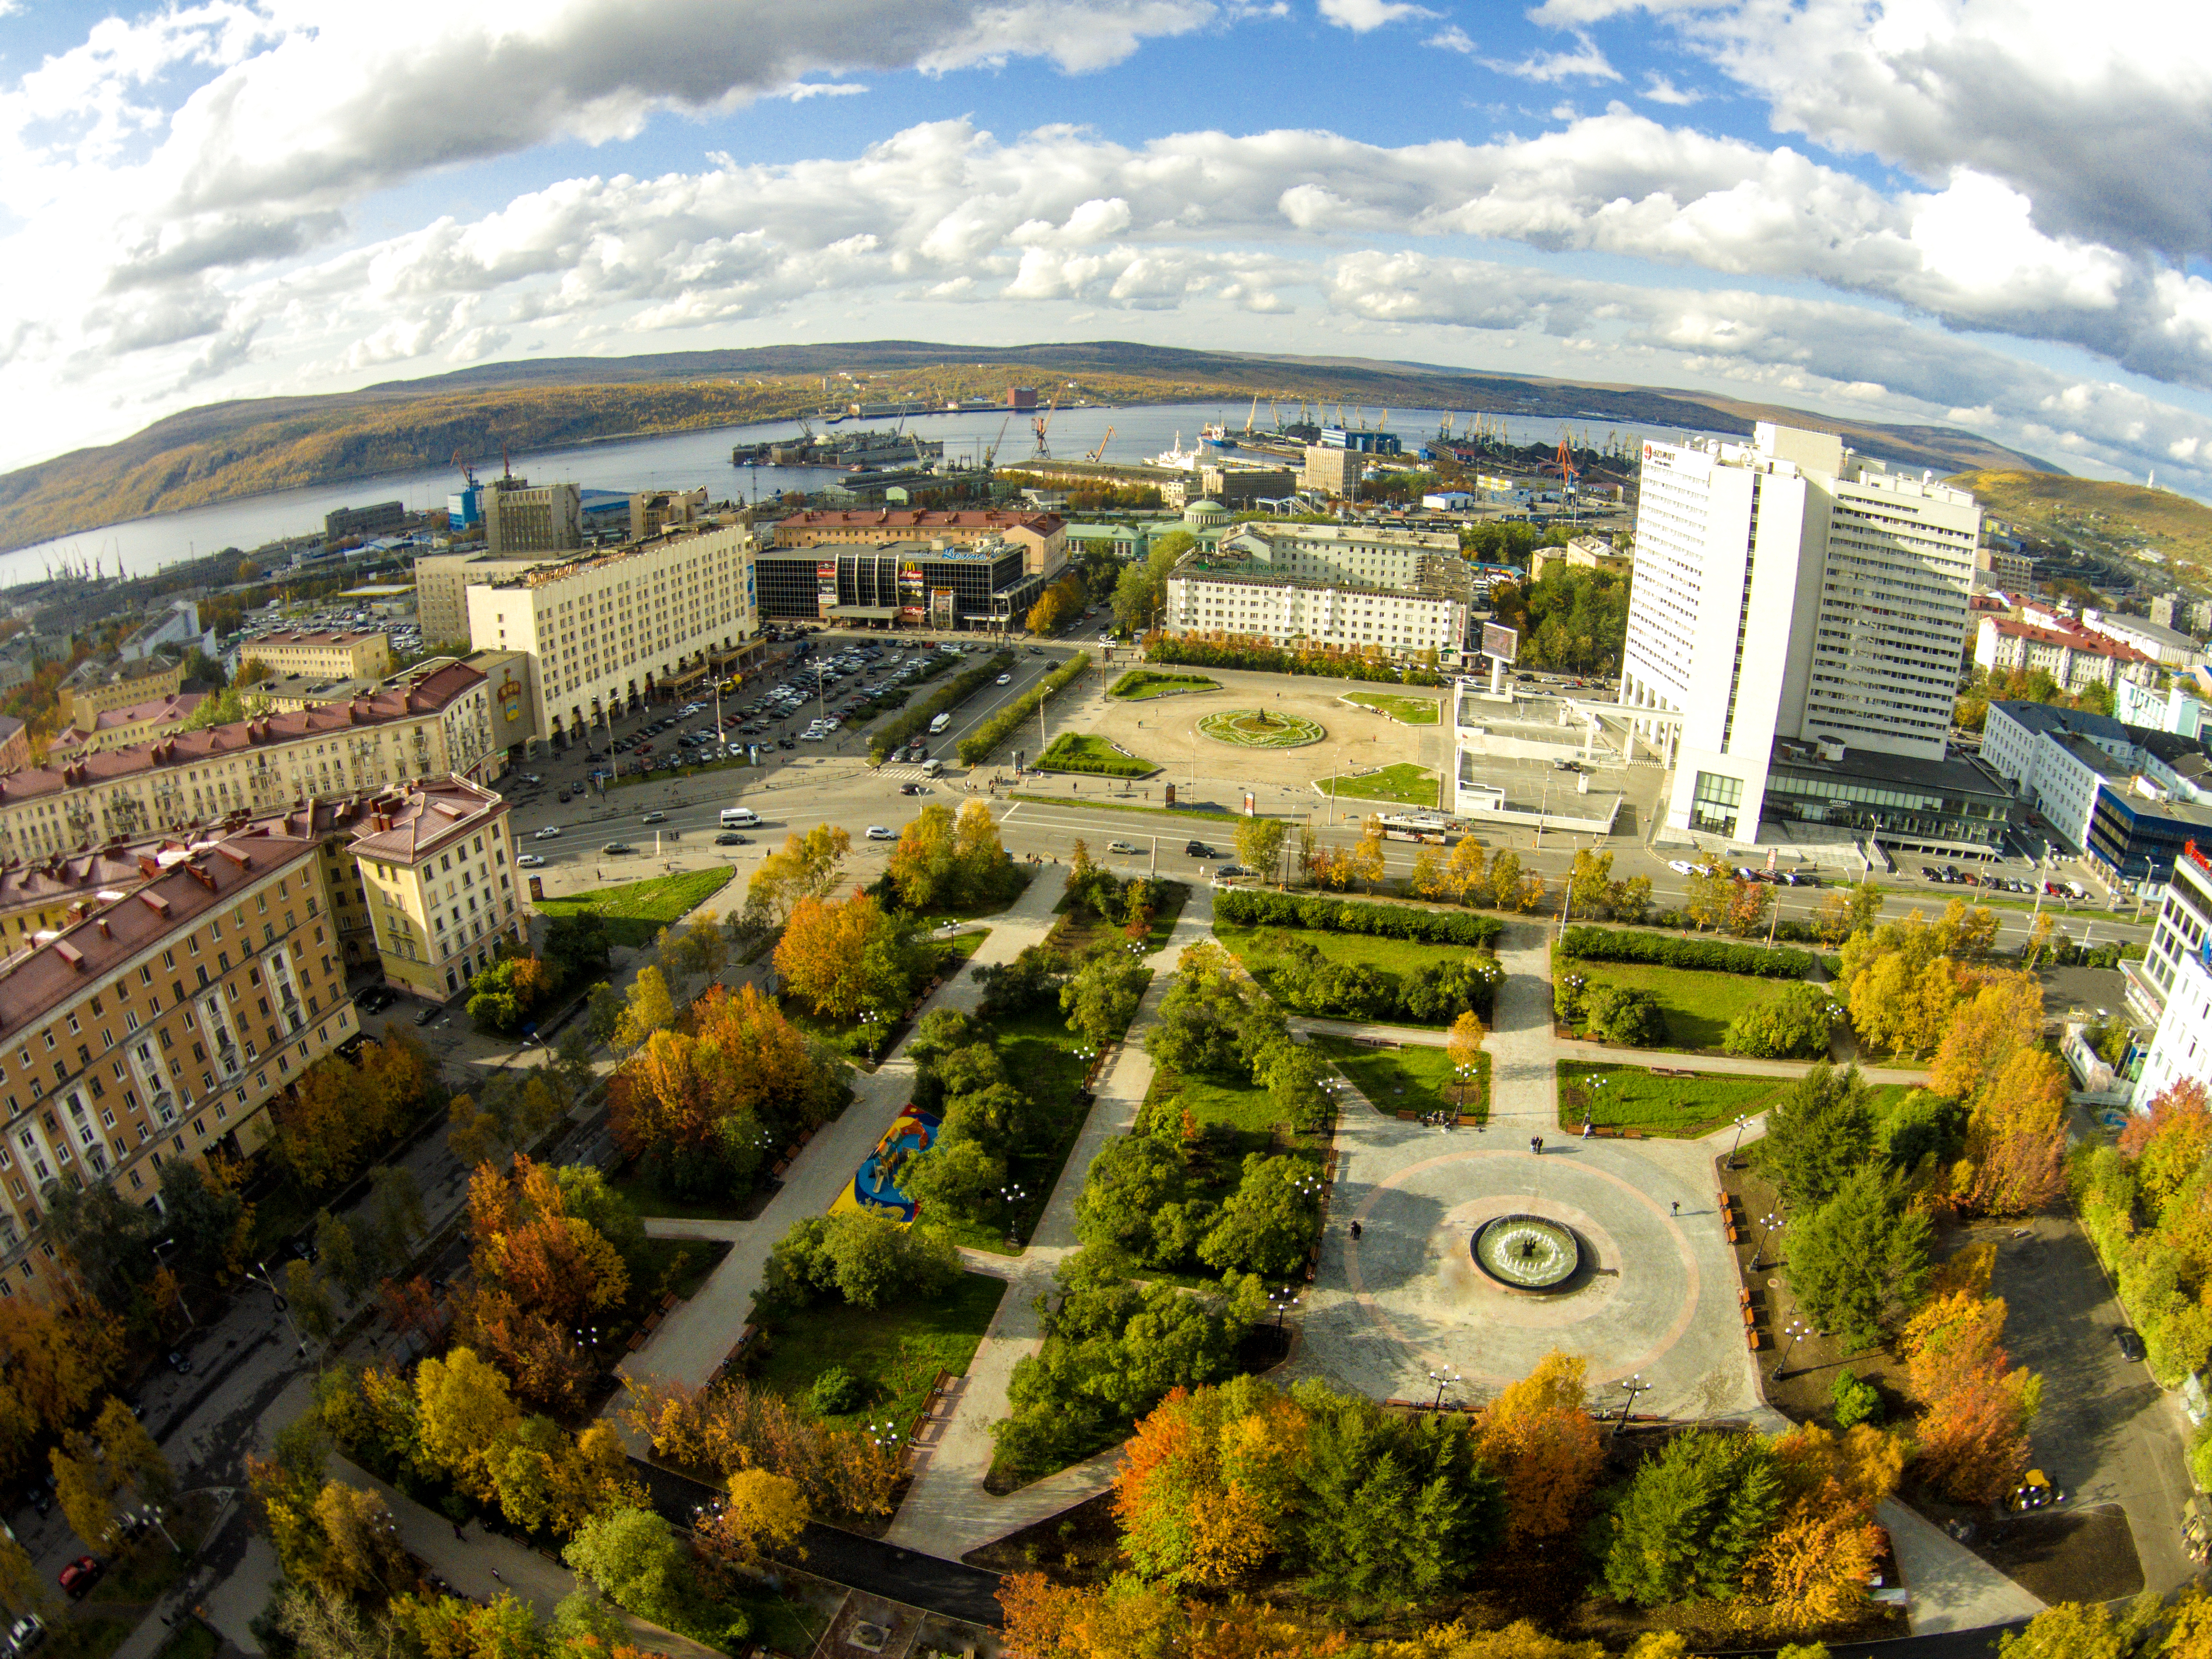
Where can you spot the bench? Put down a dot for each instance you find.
(1756, 1340)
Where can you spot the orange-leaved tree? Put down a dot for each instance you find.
(1208, 1481)
(1972, 1435)
(2168, 1141)
(1537, 1436)
(841, 957)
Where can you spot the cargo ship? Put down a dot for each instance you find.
(846, 451)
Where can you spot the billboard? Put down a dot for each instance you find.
(1503, 643)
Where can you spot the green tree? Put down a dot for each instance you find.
(1691, 1518)
(864, 1256)
(1270, 1223)
(1259, 844)
(203, 1215)
(1794, 1025)
(1101, 997)
(603, 1013)
(341, 1253)
(312, 1308)
(396, 1205)
(635, 1557)
(106, 1236)
(1860, 1262)
(1819, 1130)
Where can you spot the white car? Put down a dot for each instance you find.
(550, 832)
(1682, 867)
(877, 832)
(530, 860)
(813, 737)
(1005, 679)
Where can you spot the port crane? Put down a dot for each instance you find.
(1093, 456)
(991, 453)
(1041, 424)
(1252, 419)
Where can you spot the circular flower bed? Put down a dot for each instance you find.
(1258, 728)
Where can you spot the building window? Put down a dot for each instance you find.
(1714, 802)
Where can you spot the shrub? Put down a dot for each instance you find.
(1792, 1026)
(836, 1391)
(1711, 955)
(978, 744)
(1260, 660)
(1856, 1401)
(1247, 907)
(1616, 1013)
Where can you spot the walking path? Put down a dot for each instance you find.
(946, 1511)
(697, 1336)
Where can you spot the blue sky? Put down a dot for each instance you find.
(1988, 213)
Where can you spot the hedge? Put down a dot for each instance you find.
(1711, 955)
(1196, 653)
(893, 734)
(1249, 907)
(978, 744)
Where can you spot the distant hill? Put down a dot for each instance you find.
(223, 452)
(2124, 520)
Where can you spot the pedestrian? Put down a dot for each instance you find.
(1355, 1229)
(1586, 1129)
(1536, 1145)
(1677, 1208)
(461, 1533)
(495, 1578)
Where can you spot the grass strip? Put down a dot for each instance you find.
(978, 744)
(635, 912)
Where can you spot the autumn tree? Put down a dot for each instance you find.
(1849, 911)
(846, 959)
(1538, 1436)
(464, 1411)
(1711, 891)
(763, 1516)
(84, 1488)
(649, 1008)
(806, 866)
(1972, 1435)
(1208, 1479)
(2168, 1140)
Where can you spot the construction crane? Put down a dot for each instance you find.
(1252, 419)
(1093, 456)
(468, 473)
(921, 455)
(1041, 424)
(991, 453)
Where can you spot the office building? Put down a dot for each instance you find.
(425, 724)
(2180, 708)
(1042, 537)
(603, 634)
(1242, 487)
(437, 861)
(161, 1023)
(1788, 590)
(1583, 553)
(324, 654)
(653, 511)
(2073, 655)
(375, 521)
(984, 583)
(2171, 989)
(441, 592)
(1332, 471)
(519, 519)
(2162, 643)
(1021, 397)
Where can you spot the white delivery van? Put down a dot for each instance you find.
(938, 723)
(739, 817)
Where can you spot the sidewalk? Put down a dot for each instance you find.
(946, 1511)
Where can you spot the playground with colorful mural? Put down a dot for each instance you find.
(875, 1184)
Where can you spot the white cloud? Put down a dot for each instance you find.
(806, 89)
(1584, 62)
(1361, 15)
(1452, 37)
(1660, 90)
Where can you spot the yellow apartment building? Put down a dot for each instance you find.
(437, 862)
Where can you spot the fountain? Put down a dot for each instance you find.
(1526, 1253)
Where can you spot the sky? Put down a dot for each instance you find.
(1992, 213)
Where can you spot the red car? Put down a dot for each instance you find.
(80, 1576)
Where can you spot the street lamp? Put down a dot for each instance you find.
(1741, 1119)
(1767, 1222)
(884, 1437)
(1443, 1379)
(1796, 1330)
(1282, 1302)
(1632, 1386)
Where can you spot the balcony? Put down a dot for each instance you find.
(2144, 1000)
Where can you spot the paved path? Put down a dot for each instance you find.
(946, 1511)
(693, 1341)
(1952, 1589)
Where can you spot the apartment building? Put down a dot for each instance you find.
(94, 687)
(1583, 553)
(15, 743)
(1368, 555)
(2073, 656)
(437, 863)
(325, 655)
(1229, 600)
(601, 634)
(161, 1024)
(2171, 989)
(653, 511)
(1788, 590)
(427, 723)
(116, 728)
(2160, 641)
(519, 519)
(1042, 536)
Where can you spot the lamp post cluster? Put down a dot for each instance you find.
(1282, 1302)
(1797, 1331)
(1443, 1379)
(1631, 1386)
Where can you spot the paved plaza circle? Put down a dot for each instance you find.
(1261, 728)
(1630, 1301)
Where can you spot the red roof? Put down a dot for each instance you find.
(2081, 639)
(923, 519)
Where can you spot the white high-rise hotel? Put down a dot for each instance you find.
(1786, 590)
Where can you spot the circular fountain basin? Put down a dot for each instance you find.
(1526, 1253)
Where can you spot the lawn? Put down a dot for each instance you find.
(635, 912)
(1141, 682)
(646, 1199)
(1698, 1005)
(895, 1351)
(1250, 945)
(1078, 751)
(1408, 1080)
(1406, 711)
(1630, 1098)
(1404, 783)
(1235, 1120)
(1018, 882)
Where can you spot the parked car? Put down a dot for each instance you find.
(1232, 870)
(1122, 846)
(179, 1362)
(80, 1576)
(530, 860)
(376, 999)
(2131, 1345)
(433, 1011)
(877, 832)
(26, 1633)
